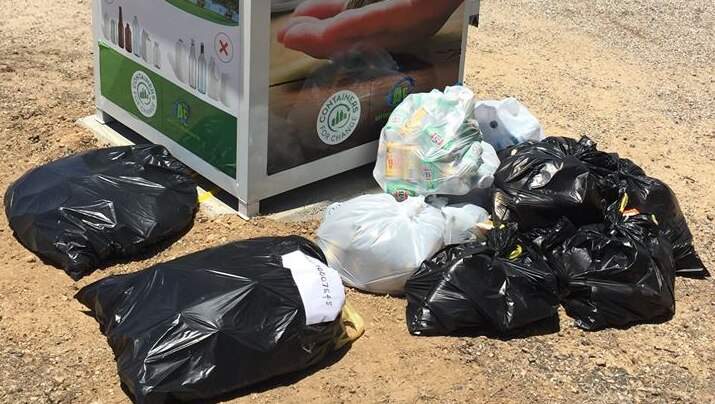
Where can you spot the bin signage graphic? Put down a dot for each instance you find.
(205, 130)
(339, 117)
(350, 86)
(153, 81)
(181, 110)
(144, 94)
(400, 91)
(224, 47)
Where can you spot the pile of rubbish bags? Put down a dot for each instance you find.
(610, 274)
(540, 182)
(566, 225)
(196, 327)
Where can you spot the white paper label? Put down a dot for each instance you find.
(320, 287)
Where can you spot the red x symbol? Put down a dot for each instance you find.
(224, 47)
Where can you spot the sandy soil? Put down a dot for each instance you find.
(635, 76)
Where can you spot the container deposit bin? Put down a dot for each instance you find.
(260, 98)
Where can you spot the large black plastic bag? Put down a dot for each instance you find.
(83, 210)
(214, 321)
(651, 195)
(618, 272)
(500, 286)
(539, 182)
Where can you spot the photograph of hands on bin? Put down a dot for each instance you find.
(340, 67)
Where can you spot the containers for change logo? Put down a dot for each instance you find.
(339, 117)
(144, 94)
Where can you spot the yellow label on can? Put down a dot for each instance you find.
(393, 161)
(414, 124)
(400, 161)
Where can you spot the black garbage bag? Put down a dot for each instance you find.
(500, 285)
(545, 240)
(539, 182)
(219, 320)
(83, 210)
(651, 195)
(618, 273)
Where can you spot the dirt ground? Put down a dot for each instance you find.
(637, 76)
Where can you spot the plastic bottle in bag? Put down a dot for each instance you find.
(432, 145)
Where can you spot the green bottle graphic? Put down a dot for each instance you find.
(340, 117)
(143, 95)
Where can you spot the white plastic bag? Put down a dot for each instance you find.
(490, 165)
(377, 243)
(506, 123)
(432, 145)
(462, 224)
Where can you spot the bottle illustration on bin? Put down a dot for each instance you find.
(190, 67)
(137, 39)
(128, 38)
(213, 79)
(146, 50)
(193, 62)
(113, 31)
(201, 72)
(180, 60)
(223, 89)
(120, 30)
(157, 55)
(106, 28)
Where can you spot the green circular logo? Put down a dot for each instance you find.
(144, 94)
(339, 117)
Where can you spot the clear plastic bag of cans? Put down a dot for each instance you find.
(432, 145)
